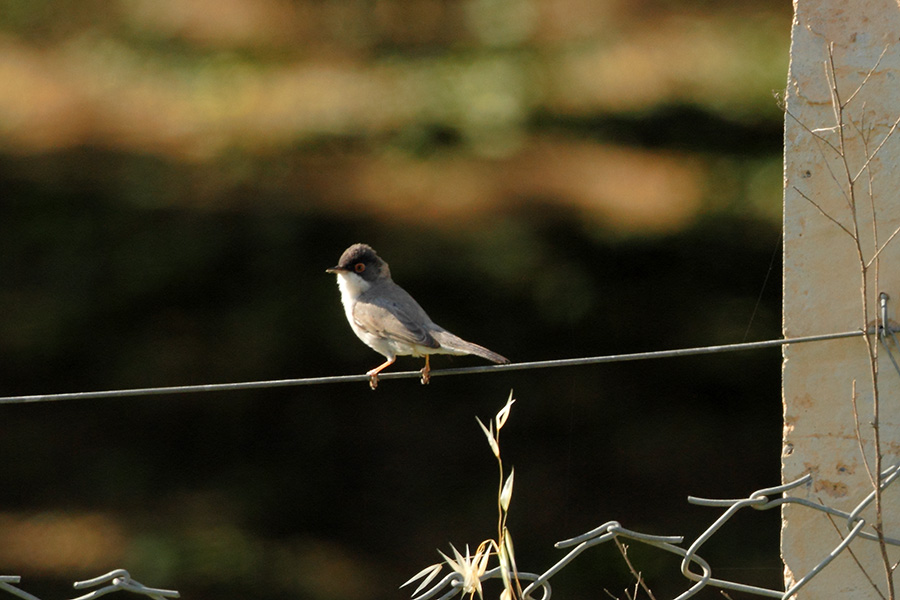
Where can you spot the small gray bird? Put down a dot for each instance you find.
(388, 319)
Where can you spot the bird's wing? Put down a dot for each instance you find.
(396, 316)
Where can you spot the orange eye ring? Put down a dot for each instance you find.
(359, 267)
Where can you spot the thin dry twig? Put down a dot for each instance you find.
(820, 142)
(824, 213)
(868, 75)
(623, 549)
(883, 246)
(847, 184)
(878, 148)
(859, 437)
(852, 554)
(849, 194)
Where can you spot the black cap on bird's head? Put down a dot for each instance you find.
(362, 260)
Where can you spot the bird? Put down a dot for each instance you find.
(387, 319)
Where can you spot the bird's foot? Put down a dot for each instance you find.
(426, 372)
(373, 374)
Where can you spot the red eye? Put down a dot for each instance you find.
(359, 267)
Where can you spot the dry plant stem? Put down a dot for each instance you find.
(853, 554)
(501, 514)
(502, 531)
(859, 437)
(623, 549)
(850, 180)
(846, 182)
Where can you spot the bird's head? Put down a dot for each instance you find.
(360, 260)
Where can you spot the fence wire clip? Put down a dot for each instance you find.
(882, 326)
(120, 580)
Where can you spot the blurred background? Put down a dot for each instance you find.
(549, 178)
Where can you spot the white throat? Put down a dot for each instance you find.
(351, 286)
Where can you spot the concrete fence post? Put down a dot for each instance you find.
(830, 198)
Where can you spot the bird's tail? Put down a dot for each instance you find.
(457, 345)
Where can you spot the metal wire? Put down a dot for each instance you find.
(114, 581)
(6, 584)
(120, 580)
(521, 366)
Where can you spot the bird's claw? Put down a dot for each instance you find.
(426, 376)
(373, 380)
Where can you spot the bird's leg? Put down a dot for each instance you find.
(426, 372)
(373, 373)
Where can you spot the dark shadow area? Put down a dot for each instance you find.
(676, 127)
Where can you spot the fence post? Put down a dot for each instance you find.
(823, 281)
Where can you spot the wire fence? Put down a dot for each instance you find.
(694, 567)
(758, 500)
(114, 581)
(452, 584)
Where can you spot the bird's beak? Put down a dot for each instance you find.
(335, 270)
